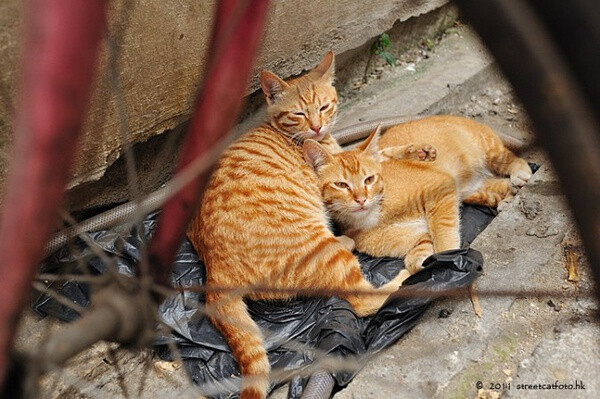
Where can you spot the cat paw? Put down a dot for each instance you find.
(414, 264)
(403, 275)
(503, 204)
(518, 180)
(347, 242)
(426, 153)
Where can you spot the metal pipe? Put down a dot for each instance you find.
(236, 37)
(60, 52)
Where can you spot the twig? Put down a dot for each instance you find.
(475, 300)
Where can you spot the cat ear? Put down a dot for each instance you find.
(371, 145)
(326, 69)
(315, 155)
(272, 86)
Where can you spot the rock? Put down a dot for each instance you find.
(543, 231)
(530, 207)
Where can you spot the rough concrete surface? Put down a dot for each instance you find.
(162, 57)
(521, 338)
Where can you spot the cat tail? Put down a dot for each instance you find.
(512, 143)
(229, 314)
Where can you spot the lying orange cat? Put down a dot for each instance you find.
(262, 222)
(406, 208)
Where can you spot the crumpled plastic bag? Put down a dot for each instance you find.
(298, 331)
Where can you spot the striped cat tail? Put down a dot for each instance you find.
(230, 316)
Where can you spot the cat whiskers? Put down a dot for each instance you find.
(297, 138)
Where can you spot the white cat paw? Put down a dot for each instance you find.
(518, 180)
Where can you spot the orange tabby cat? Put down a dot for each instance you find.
(262, 221)
(470, 152)
(405, 208)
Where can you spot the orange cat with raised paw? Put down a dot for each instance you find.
(406, 208)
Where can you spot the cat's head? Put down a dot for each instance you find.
(350, 182)
(304, 107)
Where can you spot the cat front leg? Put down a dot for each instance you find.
(331, 144)
(419, 152)
(413, 262)
(443, 219)
(347, 242)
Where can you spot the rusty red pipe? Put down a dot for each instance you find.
(236, 36)
(60, 52)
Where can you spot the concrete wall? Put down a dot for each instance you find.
(163, 54)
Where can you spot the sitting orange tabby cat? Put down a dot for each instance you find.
(401, 207)
(262, 221)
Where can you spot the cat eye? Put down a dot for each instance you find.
(370, 179)
(300, 113)
(324, 107)
(341, 184)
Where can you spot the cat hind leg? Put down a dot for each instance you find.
(520, 175)
(491, 192)
(504, 163)
(370, 299)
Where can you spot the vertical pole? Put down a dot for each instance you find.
(61, 40)
(236, 36)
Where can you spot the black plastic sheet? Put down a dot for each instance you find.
(297, 331)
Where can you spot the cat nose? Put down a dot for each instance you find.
(316, 129)
(360, 201)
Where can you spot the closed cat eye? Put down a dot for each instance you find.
(370, 179)
(299, 113)
(341, 184)
(324, 107)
